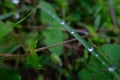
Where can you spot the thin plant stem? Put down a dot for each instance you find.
(44, 48)
(36, 50)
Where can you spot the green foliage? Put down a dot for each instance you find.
(8, 44)
(56, 59)
(112, 53)
(32, 59)
(2, 17)
(50, 33)
(53, 29)
(4, 30)
(9, 74)
(83, 42)
(51, 38)
(40, 25)
(94, 71)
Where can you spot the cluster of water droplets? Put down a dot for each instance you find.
(91, 49)
(53, 15)
(62, 22)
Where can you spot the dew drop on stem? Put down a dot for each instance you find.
(15, 1)
(72, 32)
(103, 63)
(54, 16)
(62, 22)
(90, 49)
(111, 68)
(49, 12)
(17, 15)
(96, 55)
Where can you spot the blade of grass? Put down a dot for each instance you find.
(21, 20)
(86, 44)
(7, 15)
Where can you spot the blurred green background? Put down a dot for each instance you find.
(24, 27)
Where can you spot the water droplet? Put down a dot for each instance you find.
(15, 1)
(49, 12)
(103, 63)
(96, 55)
(17, 15)
(53, 15)
(62, 22)
(90, 49)
(112, 69)
(72, 32)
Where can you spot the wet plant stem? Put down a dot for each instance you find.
(85, 43)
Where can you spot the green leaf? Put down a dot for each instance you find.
(97, 21)
(95, 71)
(56, 59)
(44, 17)
(32, 58)
(7, 15)
(8, 44)
(112, 53)
(47, 6)
(51, 38)
(4, 30)
(32, 40)
(53, 28)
